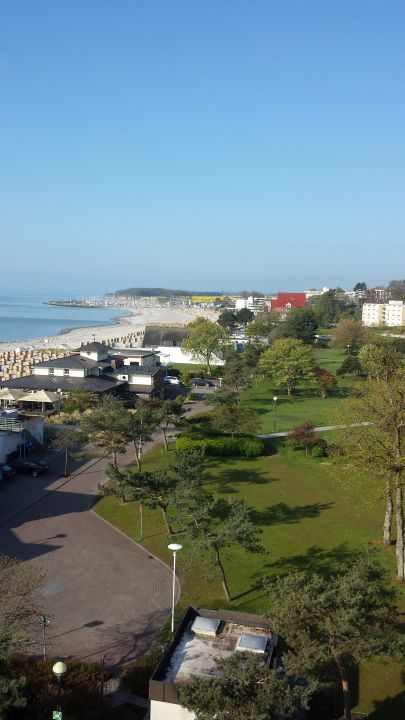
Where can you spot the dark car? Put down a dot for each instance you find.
(202, 382)
(31, 467)
(6, 472)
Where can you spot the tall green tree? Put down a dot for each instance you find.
(333, 623)
(214, 525)
(205, 341)
(227, 319)
(66, 439)
(153, 489)
(142, 424)
(380, 360)
(374, 453)
(235, 420)
(288, 361)
(350, 335)
(108, 427)
(262, 326)
(169, 412)
(78, 400)
(301, 323)
(245, 688)
(245, 316)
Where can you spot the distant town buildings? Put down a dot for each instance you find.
(391, 314)
(255, 304)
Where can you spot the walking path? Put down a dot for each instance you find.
(323, 428)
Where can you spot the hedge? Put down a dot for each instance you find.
(223, 446)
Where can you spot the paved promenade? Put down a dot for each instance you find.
(106, 594)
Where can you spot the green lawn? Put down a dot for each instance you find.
(308, 521)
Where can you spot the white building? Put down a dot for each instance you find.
(391, 314)
(255, 304)
(315, 293)
(203, 636)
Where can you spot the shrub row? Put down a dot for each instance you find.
(223, 446)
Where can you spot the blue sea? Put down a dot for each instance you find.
(26, 316)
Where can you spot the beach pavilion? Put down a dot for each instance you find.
(10, 396)
(40, 400)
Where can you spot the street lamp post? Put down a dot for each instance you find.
(59, 669)
(275, 413)
(44, 622)
(174, 547)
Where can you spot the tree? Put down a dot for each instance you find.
(237, 373)
(301, 324)
(375, 452)
(206, 340)
(234, 420)
(360, 287)
(11, 689)
(245, 688)
(329, 306)
(153, 489)
(108, 427)
(142, 423)
(213, 525)
(170, 412)
(350, 335)
(397, 289)
(288, 361)
(262, 326)
(227, 319)
(380, 360)
(303, 436)
(350, 366)
(336, 622)
(325, 381)
(244, 316)
(78, 401)
(66, 439)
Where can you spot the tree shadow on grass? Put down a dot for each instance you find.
(392, 708)
(230, 476)
(281, 513)
(315, 559)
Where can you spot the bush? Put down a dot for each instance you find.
(350, 366)
(222, 446)
(135, 677)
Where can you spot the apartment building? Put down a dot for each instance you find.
(391, 314)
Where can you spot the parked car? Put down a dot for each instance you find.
(202, 382)
(6, 472)
(31, 467)
(171, 380)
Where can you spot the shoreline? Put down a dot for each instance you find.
(115, 331)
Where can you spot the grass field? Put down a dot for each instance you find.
(308, 522)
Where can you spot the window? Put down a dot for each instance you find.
(51, 371)
(66, 371)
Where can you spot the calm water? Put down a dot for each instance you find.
(25, 317)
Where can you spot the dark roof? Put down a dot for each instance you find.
(64, 383)
(94, 347)
(71, 361)
(145, 389)
(137, 370)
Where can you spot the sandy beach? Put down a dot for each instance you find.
(123, 326)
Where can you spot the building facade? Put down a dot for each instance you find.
(391, 314)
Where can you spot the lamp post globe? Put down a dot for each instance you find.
(59, 669)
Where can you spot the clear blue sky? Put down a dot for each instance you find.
(202, 144)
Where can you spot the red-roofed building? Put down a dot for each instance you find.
(286, 301)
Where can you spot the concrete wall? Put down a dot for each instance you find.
(177, 355)
(169, 711)
(8, 443)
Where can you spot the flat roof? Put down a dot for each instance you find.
(195, 654)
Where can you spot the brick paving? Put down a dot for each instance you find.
(105, 594)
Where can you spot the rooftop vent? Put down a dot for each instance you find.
(207, 627)
(252, 643)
